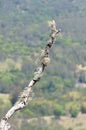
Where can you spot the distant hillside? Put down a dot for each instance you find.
(23, 20)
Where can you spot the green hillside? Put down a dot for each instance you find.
(24, 33)
(23, 20)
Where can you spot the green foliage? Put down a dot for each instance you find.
(73, 109)
(58, 111)
(5, 103)
(28, 113)
(70, 129)
(83, 107)
(68, 83)
(8, 79)
(41, 107)
(74, 112)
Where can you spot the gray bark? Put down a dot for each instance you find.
(22, 102)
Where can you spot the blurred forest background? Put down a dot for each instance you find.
(62, 90)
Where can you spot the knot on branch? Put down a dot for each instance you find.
(45, 61)
(45, 57)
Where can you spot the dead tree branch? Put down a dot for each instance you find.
(22, 102)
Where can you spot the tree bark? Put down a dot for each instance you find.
(22, 102)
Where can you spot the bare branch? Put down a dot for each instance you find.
(22, 102)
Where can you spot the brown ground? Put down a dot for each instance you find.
(78, 123)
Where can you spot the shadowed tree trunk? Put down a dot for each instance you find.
(44, 60)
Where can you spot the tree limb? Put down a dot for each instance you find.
(22, 102)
